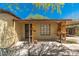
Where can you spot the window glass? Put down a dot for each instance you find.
(44, 29)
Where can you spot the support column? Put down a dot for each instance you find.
(62, 31)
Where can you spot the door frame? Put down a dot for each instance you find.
(29, 32)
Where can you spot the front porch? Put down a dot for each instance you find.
(42, 30)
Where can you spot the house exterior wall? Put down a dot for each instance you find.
(36, 31)
(53, 30)
(20, 30)
(8, 34)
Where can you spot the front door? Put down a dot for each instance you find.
(28, 32)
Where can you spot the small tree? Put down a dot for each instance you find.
(54, 6)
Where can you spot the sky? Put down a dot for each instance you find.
(23, 10)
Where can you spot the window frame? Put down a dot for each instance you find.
(45, 29)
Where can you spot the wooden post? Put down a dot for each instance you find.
(62, 31)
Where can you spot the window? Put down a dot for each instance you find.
(44, 29)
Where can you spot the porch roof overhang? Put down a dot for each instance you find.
(42, 20)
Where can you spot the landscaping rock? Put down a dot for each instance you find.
(16, 50)
(49, 49)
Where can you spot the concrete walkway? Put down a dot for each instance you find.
(76, 38)
(72, 46)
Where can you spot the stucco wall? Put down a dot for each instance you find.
(8, 34)
(20, 29)
(36, 31)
